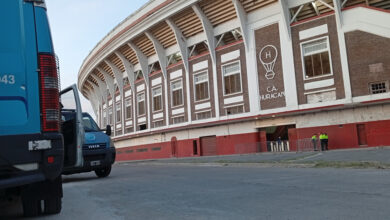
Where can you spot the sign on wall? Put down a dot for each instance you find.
(269, 66)
(267, 57)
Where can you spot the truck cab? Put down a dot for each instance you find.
(98, 151)
(32, 146)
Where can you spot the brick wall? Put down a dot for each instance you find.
(368, 59)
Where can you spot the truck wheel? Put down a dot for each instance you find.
(103, 172)
(53, 205)
(31, 207)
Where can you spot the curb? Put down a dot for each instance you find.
(314, 164)
(239, 164)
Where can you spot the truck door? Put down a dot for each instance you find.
(72, 127)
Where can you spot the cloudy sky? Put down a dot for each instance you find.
(78, 25)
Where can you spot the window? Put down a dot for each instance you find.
(177, 120)
(379, 87)
(142, 127)
(89, 124)
(141, 103)
(110, 119)
(316, 58)
(157, 124)
(177, 93)
(201, 82)
(118, 132)
(235, 110)
(128, 108)
(231, 78)
(129, 129)
(203, 115)
(118, 112)
(157, 99)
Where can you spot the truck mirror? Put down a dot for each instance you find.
(108, 130)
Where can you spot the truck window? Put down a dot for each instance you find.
(68, 101)
(89, 124)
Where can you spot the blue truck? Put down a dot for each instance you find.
(32, 150)
(98, 151)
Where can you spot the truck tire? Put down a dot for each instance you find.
(31, 207)
(53, 205)
(103, 172)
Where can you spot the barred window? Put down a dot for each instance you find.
(157, 124)
(201, 82)
(129, 129)
(177, 93)
(157, 99)
(141, 104)
(177, 120)
(118, 132)
(118, 112)
(232, 78)
(128, 108)
(379, 87)
(203, 115)
(316, 58)
(235, 110)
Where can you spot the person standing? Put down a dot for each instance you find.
(322, 141)
(280, 144)
(326, 141)
(314, 141)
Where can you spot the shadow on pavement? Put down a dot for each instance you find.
(69, 179)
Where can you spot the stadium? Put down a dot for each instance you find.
(184, 78)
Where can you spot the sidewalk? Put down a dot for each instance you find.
(374, 157)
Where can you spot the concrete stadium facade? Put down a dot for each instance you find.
(194, 78)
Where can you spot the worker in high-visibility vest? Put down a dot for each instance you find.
(314, 141)
(322, 141)
(326, 140)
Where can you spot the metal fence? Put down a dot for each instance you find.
(302, 145)
(278, 146)
(266, 146)
(308, 144)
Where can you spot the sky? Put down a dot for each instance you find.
(77, 26)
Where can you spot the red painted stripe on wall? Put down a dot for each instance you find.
(340, 136)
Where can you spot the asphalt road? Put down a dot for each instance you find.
(223, 192)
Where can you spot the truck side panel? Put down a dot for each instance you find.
(28, 147)
(43, 31)
(19, 90)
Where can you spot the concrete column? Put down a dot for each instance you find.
(143, 61)
(211, 42)
(287, 54)
(129, 68)
(343, 51)
(163, 64)
(182, 42)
